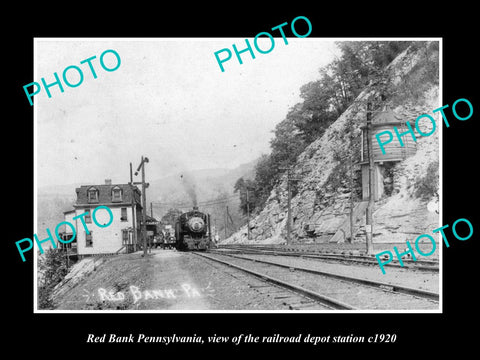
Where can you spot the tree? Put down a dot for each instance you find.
(170, 217)
(321, 106)
(324, 100)
(241, 186)
(266, 173)
(53, 267)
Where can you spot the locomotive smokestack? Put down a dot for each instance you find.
(195, 208)
(189, 185)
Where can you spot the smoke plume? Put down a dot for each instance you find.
(188, 183)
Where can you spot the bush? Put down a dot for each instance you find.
(422, 75)
(54, 269)
(426, 187)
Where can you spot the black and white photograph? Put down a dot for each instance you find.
(231, 187)
(217, 179)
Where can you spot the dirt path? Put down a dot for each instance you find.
(174, 284)
(166, 280)
(195, 284)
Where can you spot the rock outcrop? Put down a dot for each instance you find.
(327, 178)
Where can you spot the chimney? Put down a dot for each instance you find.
(108, 181)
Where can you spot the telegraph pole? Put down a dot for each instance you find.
(144, 209)
(134, 221)
(289, 212)
(248, 216)
(144, 203)
(351, 200)
(371, 185)
(226, 214)
(289, 202)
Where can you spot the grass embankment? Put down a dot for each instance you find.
(113, 278)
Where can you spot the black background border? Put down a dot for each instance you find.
(428, 332)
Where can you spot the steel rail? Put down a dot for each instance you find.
(350, 258)
(377, 284)
(323, 299)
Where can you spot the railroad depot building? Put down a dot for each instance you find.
(125, 204)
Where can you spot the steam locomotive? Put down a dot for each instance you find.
(192, 231)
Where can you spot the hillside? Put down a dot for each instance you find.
(51, 205)
(210, 189)
(321, 192)
(197, 185)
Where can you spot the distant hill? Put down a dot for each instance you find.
(200, 185)
(210, 189)
(51, 204)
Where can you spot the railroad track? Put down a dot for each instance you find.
(422, 265)
(333, 290)
(293, 296)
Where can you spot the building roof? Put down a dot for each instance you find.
(151, 220)
(105, 195)
(386, 116)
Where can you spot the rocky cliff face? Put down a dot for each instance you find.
(326, 180)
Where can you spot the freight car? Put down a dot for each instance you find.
(192, 231)
(168, 237)
(169, 242)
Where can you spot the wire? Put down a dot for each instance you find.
(202, 203)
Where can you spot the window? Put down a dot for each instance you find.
(88, 217)
(116, 194)
(88, 239)
(123, 215)
(92, 194)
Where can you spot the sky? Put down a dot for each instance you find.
(168, 100)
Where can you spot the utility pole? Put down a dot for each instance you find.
(65, 250)
(144, 203)
(371, 185)
(289, 212)
(134, 221)
(289, 202)
(226, 214)
(351, 199)
(151, 210)
(230, 217)
(248, 215)
(144, 209)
